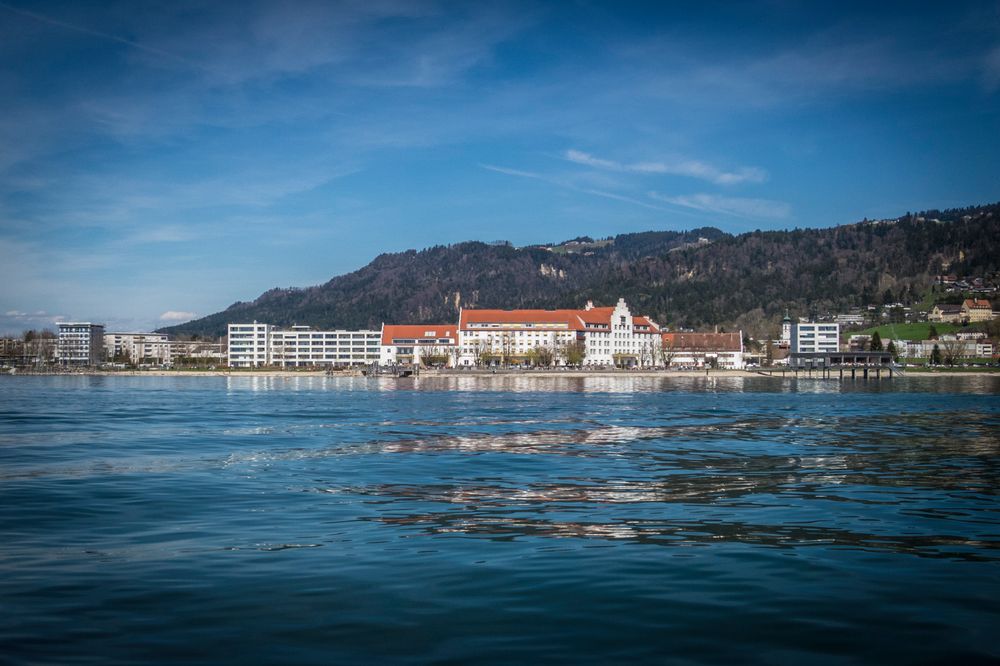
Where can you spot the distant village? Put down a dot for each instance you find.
(592, 337)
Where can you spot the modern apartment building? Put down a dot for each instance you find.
(138, 347)
(815, 337)
(80, 343)
(301, 346)
(256, 345)
(184, 351)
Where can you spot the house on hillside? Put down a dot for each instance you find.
(977, 309)
(945, 313)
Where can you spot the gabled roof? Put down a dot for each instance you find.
(704, 341)
(977, 303)
(540, 319)
(645, 321)
(434, 332)
(577, 320)
(948, 307)
(600, 316)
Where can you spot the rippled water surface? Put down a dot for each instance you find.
(447, 520)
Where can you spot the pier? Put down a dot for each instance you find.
(843, 365)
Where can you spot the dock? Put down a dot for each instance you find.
(843, 365)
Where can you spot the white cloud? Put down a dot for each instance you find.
(13, 322)
(565, 184)
(736, 206)
(679, 167)
(177, 315)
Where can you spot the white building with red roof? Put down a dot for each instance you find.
(404, 344)
(606, 336)
(977, 309)
(697, 350)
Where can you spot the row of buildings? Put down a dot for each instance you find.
(970, 311)
(589, 337)
(87, 344)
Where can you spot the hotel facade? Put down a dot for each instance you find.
(607, 336)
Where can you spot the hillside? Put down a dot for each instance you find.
(698, 278)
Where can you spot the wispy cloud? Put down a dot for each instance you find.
(682, 167)
(97, 33)
(177, 315)
(736, 206)
(565, 184)
(12, 322)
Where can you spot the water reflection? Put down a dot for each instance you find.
(700, 533)
(575, 383)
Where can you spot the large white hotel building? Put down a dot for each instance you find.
(609, 335)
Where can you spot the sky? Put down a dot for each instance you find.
(162, 160)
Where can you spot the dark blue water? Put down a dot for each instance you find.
(317, 520)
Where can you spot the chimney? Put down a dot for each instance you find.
(590, 305)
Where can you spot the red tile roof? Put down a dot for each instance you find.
(978, 303)
(392, 332)
(541, 319)
(704, 341)
(645, 321)
(577, 320)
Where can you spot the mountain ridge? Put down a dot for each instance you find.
(697, 278)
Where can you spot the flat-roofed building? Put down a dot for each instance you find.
(302, 346)
(80, 343)
(850, 319)
(812, 337)
(138, 347)
(199, 352)
(249, 345)
(411, 344)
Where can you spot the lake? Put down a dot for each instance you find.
(498, 520)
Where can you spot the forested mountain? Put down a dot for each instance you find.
(698, 278)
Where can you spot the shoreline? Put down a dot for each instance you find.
(482, 374)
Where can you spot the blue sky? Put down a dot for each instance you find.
(161, 160)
